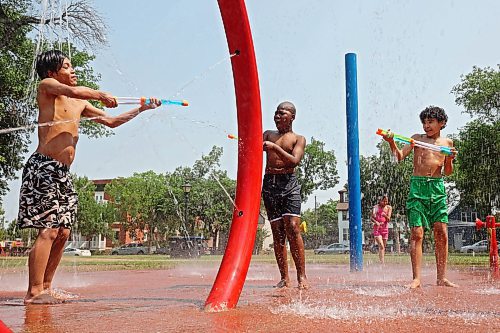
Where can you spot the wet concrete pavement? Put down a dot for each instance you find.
(374, 300)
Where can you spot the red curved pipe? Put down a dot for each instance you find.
(234, 267)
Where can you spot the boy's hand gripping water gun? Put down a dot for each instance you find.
(442, 149)
(144, 101)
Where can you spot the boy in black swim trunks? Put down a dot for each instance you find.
(426, 204)
(47, 199)
(281, 192)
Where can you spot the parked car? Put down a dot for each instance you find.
(162, 250)
(191, 247)
(132, 248)
(332, 248)
(481, 246)
(71, 251)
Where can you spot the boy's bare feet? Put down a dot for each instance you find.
(283, 284)
(43, 298)
(414, 284)
(446, 283)
(303, 284)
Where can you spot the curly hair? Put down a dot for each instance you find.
(434, 112)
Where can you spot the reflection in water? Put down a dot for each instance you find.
(227, 321)
(38, 318)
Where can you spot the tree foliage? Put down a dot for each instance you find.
(80, 17)
(479, 93)
(17, 48)
(317, 170)
(138, 199)
(477, 177)
(93, 218)
(322, 225)
(157, 202)
(382, 174)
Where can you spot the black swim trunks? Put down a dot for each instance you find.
(281, 194)
(47, 198)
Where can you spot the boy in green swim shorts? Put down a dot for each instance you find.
(426, 204)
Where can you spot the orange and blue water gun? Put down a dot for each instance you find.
(144, 100)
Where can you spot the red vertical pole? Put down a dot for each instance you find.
(234, 267)
(491, 225)
(4, 328)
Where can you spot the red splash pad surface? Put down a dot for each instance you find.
(339, 301)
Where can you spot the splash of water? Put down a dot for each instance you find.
(488, 291)
(380, 292)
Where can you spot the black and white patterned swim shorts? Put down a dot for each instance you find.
(47, 198)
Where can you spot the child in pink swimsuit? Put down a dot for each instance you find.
(380, 218)
(383, 228)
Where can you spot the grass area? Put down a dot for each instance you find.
(144, 262)
(454, 259)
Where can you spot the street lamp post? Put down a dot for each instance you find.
(186, 188)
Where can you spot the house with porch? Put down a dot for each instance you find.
(462, 227)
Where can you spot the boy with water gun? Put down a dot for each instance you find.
(426, 204)
(48, 201)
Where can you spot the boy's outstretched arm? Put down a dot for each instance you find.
(400, 153)
(297, 153)
(51, 86)
(115, 121)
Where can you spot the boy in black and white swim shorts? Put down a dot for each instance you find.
(47, 198)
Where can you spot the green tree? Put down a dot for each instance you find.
(317, 170)
(17, 49)
(477, 177)
(139, 201)
(322, 225)
(15, 64)
(211, 194)
(477, 166)
(93, 218)
(157, 201)
(3, 231)
(26, 235)
(479, 93)
(382, 174)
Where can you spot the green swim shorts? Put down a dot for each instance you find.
(426, 202)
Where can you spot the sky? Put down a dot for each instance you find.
(409, 54)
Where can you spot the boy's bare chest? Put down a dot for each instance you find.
(67, 108)
(286, 141)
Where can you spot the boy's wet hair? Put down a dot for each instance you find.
(434, 112)
(49, 61)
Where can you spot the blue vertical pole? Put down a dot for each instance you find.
(355, 234)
